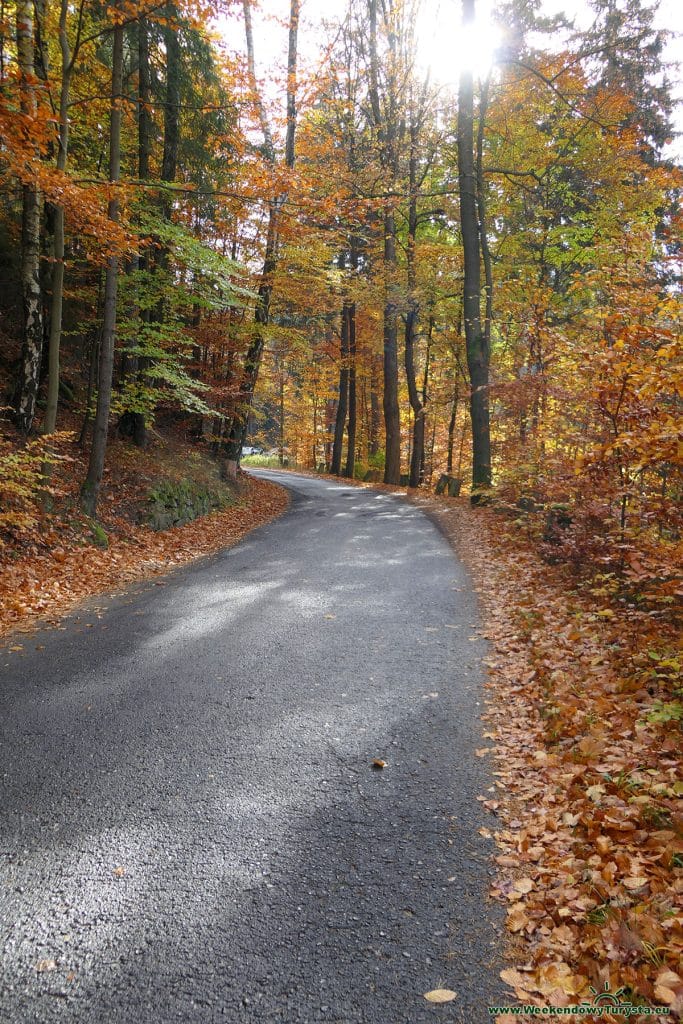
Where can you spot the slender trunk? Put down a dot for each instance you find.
(481, 211)
(32, 324)
(374, 408)
(392, 423)
(138, 426)
(451, 428)
(386, 123)
(475, 335)
(252, 361)
(353, 402)
(58, 233)
(418, 437)
(342, 404)
(90, 490)
(169, 162)
(282, 412)
(425, 392)
(292, 81)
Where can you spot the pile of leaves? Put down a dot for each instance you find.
(587, 748)
(47, 582)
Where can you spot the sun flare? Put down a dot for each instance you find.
(445, 48)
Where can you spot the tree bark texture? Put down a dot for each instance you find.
(32, 322)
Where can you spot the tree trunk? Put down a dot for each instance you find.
(342, 404)
(392, 422)
(374, 407)
(138, 426)
(417, 447)
(252, 361)
(169, 162)
(386, 123)
(90, 490)
(475, 336)
(50, 423)
(353, 402)
(32, 325)
(451, 427)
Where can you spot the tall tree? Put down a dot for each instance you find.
(478, 354)
(68, 58)
(90, 491)
(32, 325)
(388, 123)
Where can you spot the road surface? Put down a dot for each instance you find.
(191, 829)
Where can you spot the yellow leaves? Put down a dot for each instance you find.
(440, 995)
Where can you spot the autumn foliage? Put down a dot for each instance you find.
(190, 252)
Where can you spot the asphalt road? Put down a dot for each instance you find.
(191, 829)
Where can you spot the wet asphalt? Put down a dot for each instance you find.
(191, 828)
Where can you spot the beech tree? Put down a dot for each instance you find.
(90, 490)
(32, 327)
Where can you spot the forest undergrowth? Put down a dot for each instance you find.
(55, 557)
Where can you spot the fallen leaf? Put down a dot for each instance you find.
(635, 881)
(378, 764)
(46, 965)
(440, 995)
(513, 978)
(517, 919)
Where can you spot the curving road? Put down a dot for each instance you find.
(191, 829)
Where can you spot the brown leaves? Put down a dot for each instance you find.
(40, 585)
(586, 799)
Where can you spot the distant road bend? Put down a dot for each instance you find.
(191, 829)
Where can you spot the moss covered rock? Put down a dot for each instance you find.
(174, 503)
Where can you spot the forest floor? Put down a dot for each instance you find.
(586, 810)
(67, 557)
